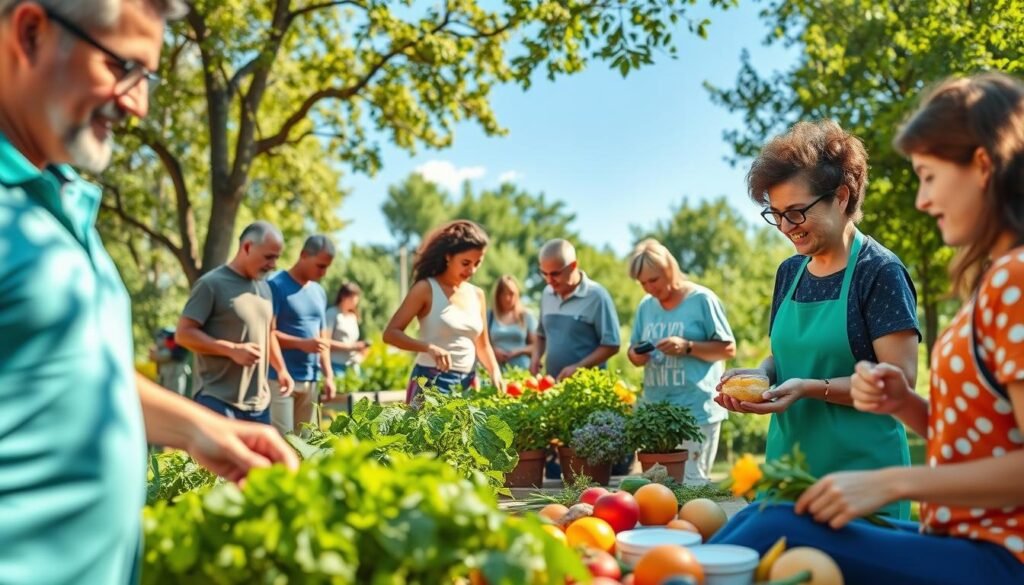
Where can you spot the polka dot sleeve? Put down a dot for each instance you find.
(1000, 318)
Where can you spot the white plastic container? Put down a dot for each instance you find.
(727, 564)
(631, 545)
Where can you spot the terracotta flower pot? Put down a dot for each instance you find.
(529, 472)
(573, 465)
(674, 462)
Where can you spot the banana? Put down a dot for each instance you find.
(769, 558)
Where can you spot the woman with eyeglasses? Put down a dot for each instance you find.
(966, 146)
(842, 298)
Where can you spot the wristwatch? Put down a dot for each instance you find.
(689, 347)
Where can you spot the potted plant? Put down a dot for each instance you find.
(601, 441)
(527, 416)
(581, 395)
(657, 429)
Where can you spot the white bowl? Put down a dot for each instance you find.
(727, 564)
(647, 538)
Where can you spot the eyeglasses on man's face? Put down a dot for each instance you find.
(131, 73)
(793, 216)
(557, 273)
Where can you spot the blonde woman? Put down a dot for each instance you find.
(512, 328)
(687, 337)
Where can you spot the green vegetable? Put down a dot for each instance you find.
(345, 517)
(632, 483)
(795, 579)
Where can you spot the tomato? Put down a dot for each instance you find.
(553, 512)
(530, 383)
(628, 579)
(592, 532)
(592, 494)
(602, 564)
(665, 561)
(513, 389)
(604, 581)
(619, 510)
(545, 383)
(658, 504)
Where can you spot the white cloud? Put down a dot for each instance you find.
(447, 175)
(509, 177)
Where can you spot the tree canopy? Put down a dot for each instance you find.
(864, 64)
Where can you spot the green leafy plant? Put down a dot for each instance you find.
(459, 430)
(602, 439)
(344, 518)
(528, 416)
(173, 473)
(567, 496)
(581, 395)
(659, 427)
(383, 369)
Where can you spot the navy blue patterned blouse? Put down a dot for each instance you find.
(882, 296)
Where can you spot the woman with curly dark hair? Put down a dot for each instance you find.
(841, 299)
(452, 313)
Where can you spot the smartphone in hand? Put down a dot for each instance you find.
(644, 347)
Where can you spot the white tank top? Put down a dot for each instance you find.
(452, 327)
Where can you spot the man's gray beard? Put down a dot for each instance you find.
(84, 151)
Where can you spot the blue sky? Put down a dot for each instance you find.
(617, 151)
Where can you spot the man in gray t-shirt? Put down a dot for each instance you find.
(227, 323)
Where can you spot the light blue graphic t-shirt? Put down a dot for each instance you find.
(684, 380)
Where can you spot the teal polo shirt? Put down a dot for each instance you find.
(72, 446)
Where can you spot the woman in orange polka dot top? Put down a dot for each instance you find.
(966, 144)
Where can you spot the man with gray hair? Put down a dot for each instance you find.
(578, 325)
(300, 307)
(228, 323)
(76, 415)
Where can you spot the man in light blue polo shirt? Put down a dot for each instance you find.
(578, 325)
(72, 435)
(300, 306)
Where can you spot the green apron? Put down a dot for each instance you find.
(810, 340)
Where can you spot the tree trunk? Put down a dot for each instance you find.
(221, 232)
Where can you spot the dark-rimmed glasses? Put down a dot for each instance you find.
(793, 216)
(556, 273)
(132, 72)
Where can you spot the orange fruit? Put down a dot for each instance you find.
(556, 532)
(592, 532)
(667, 560)
(678, 524)
(658, 504)
(553, 512)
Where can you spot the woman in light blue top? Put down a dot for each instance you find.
(686, 324)
(512, 328)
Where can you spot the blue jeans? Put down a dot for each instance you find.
(872, 554)
(220, 407)
(444, 382)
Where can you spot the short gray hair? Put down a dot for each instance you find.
(257, 232)
(316, 244)
(558, 249)
(99, 13)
